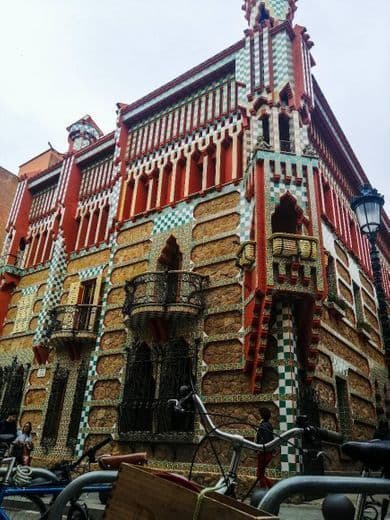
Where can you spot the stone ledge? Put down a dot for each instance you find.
(246, 398)
(229, 367)
(220, 310)
(217, 260)
(223, 337)
(135, 261)
(102, 403)
(86, 252)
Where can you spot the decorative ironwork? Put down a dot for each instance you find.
(12, 382)
(163, 289)
(286, 146)
(54, 408)
(75, 318)
(77, 406)
(153, 376)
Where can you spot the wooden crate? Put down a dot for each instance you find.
(139, 494)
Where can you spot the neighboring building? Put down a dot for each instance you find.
(40, 163)
(8, 184)
(210, 236)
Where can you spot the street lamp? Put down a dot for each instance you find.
(368, 206)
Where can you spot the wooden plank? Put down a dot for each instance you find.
(141, 495)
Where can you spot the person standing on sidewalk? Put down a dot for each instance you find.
(265, 434)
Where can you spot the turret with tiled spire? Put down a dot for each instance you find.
(257, 11)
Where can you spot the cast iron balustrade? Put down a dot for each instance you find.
(153, 376)
(12, 382)
(74, 323)
(168, 294)
(287, 245)
(11, 264)
(287, 146)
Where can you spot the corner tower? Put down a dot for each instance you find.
(276, 94)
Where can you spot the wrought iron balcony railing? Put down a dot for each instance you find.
(287, 146)
(70, 322)
(294, 246)
(169, 293)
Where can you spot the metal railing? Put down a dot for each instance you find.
(287, 146)
(165, 288)
(76, 318)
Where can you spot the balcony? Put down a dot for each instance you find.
(74, 325)
(164, 294)
(297, 247)
(11, 264)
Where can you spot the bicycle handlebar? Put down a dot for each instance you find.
(330, 436)
(91, 452)
(236, 439)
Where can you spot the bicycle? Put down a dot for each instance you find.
(19, 476)
(30, 485)
(228, 482)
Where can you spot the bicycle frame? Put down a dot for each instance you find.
(52, 487)
(227, 484)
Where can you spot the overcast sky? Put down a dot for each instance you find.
(62, 59)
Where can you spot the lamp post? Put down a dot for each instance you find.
(368, 206)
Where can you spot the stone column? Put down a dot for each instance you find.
(288, 382)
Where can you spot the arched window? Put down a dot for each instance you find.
(287, 217)
(170, 261)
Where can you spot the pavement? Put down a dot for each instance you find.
(305, 511)
(20, 511)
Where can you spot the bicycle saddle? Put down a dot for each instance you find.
(373, 454)
(114, 461)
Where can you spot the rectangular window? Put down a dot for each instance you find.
(54, 408)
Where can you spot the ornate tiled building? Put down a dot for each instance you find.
(208, 238)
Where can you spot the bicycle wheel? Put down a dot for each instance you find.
(22, 506)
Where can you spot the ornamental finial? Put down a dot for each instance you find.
(258, 11)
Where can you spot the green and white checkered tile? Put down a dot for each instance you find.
(266, 57)
(83, 429)
(53, 290)
(31, 289)
(114, 200)
(282, 59)
(246, 211)
(92, 272)
(279, 8)
(299, 192)
(171, 218)
(288, 381)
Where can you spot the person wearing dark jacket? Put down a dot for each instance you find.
(265, 434)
